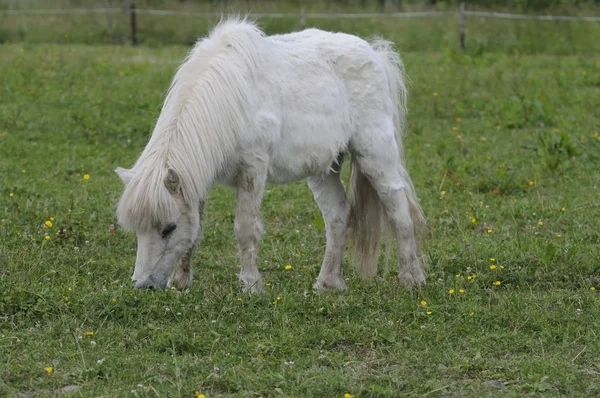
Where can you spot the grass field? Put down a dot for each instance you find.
(504, 152)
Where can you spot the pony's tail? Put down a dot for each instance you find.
(367, 215)
(364, 221)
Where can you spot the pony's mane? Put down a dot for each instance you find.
(204, 110)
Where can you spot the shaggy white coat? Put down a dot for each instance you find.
(245, 108)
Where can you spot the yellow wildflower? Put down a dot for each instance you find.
(11, 194)
(593, 289)
(348, 395)
(89, 334)
(49, 369)
(288, 267)
(455, 128)
(198, 394)
(490, 231)
(423, 303)
(239, 299)
(428, 312)
(502, 267)
(442, 193)
(268, 284)
(462, 291)
(47, 237)
(531, 183)
(451, 291)
(563, 209)
(113, 300)
(469, 277)
(540, 223)
(86, 177)
(471, 313)
(558, 236)
(48, 224)
(497, 283)
(492, 267)
(492, 259)
(473, 220)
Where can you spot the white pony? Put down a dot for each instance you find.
(245, 109)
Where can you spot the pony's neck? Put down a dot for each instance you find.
(207, 106)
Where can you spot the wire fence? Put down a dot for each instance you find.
(531, 17)
(133, 11)
(143, 11)
(61, 11)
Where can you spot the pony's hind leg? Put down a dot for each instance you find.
(382, 166)
(396, 204)
(247, 227)
(330, 196)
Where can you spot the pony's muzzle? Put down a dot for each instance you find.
(151, 283)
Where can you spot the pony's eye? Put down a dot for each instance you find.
(167, 230)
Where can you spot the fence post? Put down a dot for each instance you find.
(462, 25)
(302, 18)
(132, 24)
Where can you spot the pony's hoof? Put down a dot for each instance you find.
(257, 288)
(181, 280)
(327, 284)
(412, 279)
(253, 287)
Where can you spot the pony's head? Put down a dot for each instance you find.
(153, 205)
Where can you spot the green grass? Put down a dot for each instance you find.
(510, 140)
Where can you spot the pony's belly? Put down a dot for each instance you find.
(282, 176)
(291, 166)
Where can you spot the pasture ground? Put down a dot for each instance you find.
(504, 152)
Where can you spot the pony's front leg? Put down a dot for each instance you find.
(182, 272)
(183, 275)
(247, 226)
(329, 194)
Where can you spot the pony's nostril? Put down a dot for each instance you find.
(146, 284)
(151, 283)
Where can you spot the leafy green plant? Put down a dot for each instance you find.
(555, 149)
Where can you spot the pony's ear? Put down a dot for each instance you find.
(172, 182)
(124, 174)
